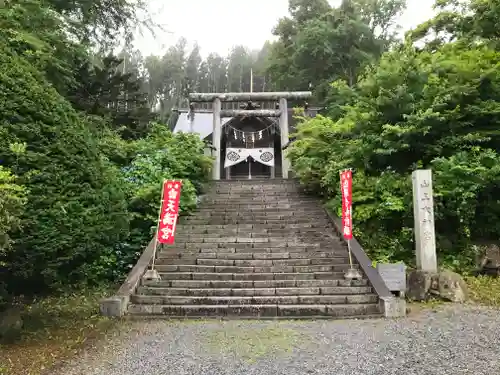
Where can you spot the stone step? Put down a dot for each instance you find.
(276, 188)
(258, 215)
(255, 300)
(258, 239)
(194, 260)
(256, 242)
(303, 226)
(193, 220)
(272, 231)
(213, 292)
(278, 255)
(250, 276)
(250, 233)
(246, 182)
(218, 201)
(293, 251)
(251, 269)
(257, 186)
(255, 284)
(257, 207)
(311, 238)
(262, 196)
(260, 311)
(263, 247)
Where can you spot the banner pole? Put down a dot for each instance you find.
(158, 225)
(350, 254)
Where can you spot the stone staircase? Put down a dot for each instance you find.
(255, 248)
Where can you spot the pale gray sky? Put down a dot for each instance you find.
(217, 25)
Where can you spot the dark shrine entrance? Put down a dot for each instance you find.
(251, 148)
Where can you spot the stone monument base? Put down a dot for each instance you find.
(445, 285)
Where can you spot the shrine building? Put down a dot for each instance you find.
(247, 130)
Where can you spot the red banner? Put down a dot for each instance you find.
(346, 187)
(169, 211)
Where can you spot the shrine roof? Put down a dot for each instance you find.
(202, 124)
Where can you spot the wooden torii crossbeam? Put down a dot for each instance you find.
(251, 112)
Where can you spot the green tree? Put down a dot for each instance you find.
(416, 108)
(76, 209)
(320, 44)
(109, 91)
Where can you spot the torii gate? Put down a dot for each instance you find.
(282, 113)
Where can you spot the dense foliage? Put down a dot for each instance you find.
(81, 165)
(432, 106)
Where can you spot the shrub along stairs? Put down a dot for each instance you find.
(255, 248)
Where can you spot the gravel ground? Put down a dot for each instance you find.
(453, 340)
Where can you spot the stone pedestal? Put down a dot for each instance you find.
(423, 209)
(444, 285)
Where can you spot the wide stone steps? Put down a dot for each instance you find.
(251, 276)
(259, 207)
(249, 292)
(251, 233)
(193, 248)
(251, 269)
(258, 311)
(255, 249)
(258, 284)
(194, 260)
(306, 226)
(254, 300)
(256, 215)
(275, 200)
(244, 220)
(244, 248)
(283, 233)
(254, 242)
(245, 255)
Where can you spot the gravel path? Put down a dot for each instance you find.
(454, 340)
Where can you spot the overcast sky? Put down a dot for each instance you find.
(217, 25)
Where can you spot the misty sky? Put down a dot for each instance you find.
(217, 25)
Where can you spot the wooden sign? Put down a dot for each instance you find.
(394, 276)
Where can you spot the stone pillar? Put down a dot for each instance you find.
(284, 135)
(423, 211)
(191, 122)
(217, 131)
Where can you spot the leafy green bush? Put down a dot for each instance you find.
(161, 156)
(415, 109)
(13, 199)
(76, 210)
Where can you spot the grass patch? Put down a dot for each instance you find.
(484, 290)
(252, 344)
(55, 329)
